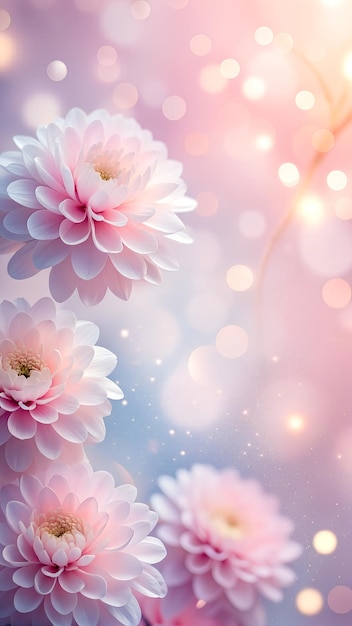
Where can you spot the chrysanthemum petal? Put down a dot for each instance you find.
(49, 253)
(106, 237)
(44, 225)
(149, 550)
(62, 289)
(48, 442)
(128, 614)
(73, 211)
(16, 511)
(22, 425)
(71, 581)
(55, 618)
(71, 428)
(16, 222)
(95, 586)
(6, 580)
(121, 565)
(87, 260)
(26, 600)
(23, 192)
(74, 233)
(92, 291)
(43, 584)
(129, 264)
(62, 601)
(139, 239)
(86, 613)
(150, 583)
(49, 198)
(242, 596)
(24, 576)
(21, 265)
(18, 454)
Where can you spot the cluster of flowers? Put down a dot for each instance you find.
(95, 199)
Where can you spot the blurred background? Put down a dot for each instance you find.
(242, 358)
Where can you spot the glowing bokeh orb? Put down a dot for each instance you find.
(309, 601)
(325, 542)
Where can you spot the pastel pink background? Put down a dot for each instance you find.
(247, 367)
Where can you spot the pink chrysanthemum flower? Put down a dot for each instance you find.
(156, 613)
(95, 198)
(226, 541)
(54, 390)
(75, 550)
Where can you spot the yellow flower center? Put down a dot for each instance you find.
(59, 524)
(227, 524)
(106, 166)
(24, 361)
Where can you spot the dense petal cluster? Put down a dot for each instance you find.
(226, 541)
(75, 549)
(157, 612)
(54, 390)
(94, 198)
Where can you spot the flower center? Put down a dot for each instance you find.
(24, 361)
(227, 524)
(106, 166)
(59, 524)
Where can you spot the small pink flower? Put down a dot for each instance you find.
(227, 544)
(95, 198)
(75, 550)
(53, 386)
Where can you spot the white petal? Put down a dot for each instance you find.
(87, 260)
(44, 225)
(23, 192)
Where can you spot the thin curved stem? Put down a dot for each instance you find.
(290, 213)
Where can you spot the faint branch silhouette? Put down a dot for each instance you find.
(337, 126)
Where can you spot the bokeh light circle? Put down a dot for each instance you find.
(177, 4)
(5, 19)
(254, 88)
(309, 601)
(140, 9)
(207, 203)
(56, 70)
(264, 35)
(305, 100)
(289, 174)
(174, 108)
(336, 293)
(40, 108)
(230, 68)
(325, 542)
(106, 55)
(232, 341)
(118, 23)
(340, 599)
(7, 51)
(125, 95)
(211, 79)
(200, 44)
(336, 180)
(343, 208)
(239, 277)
